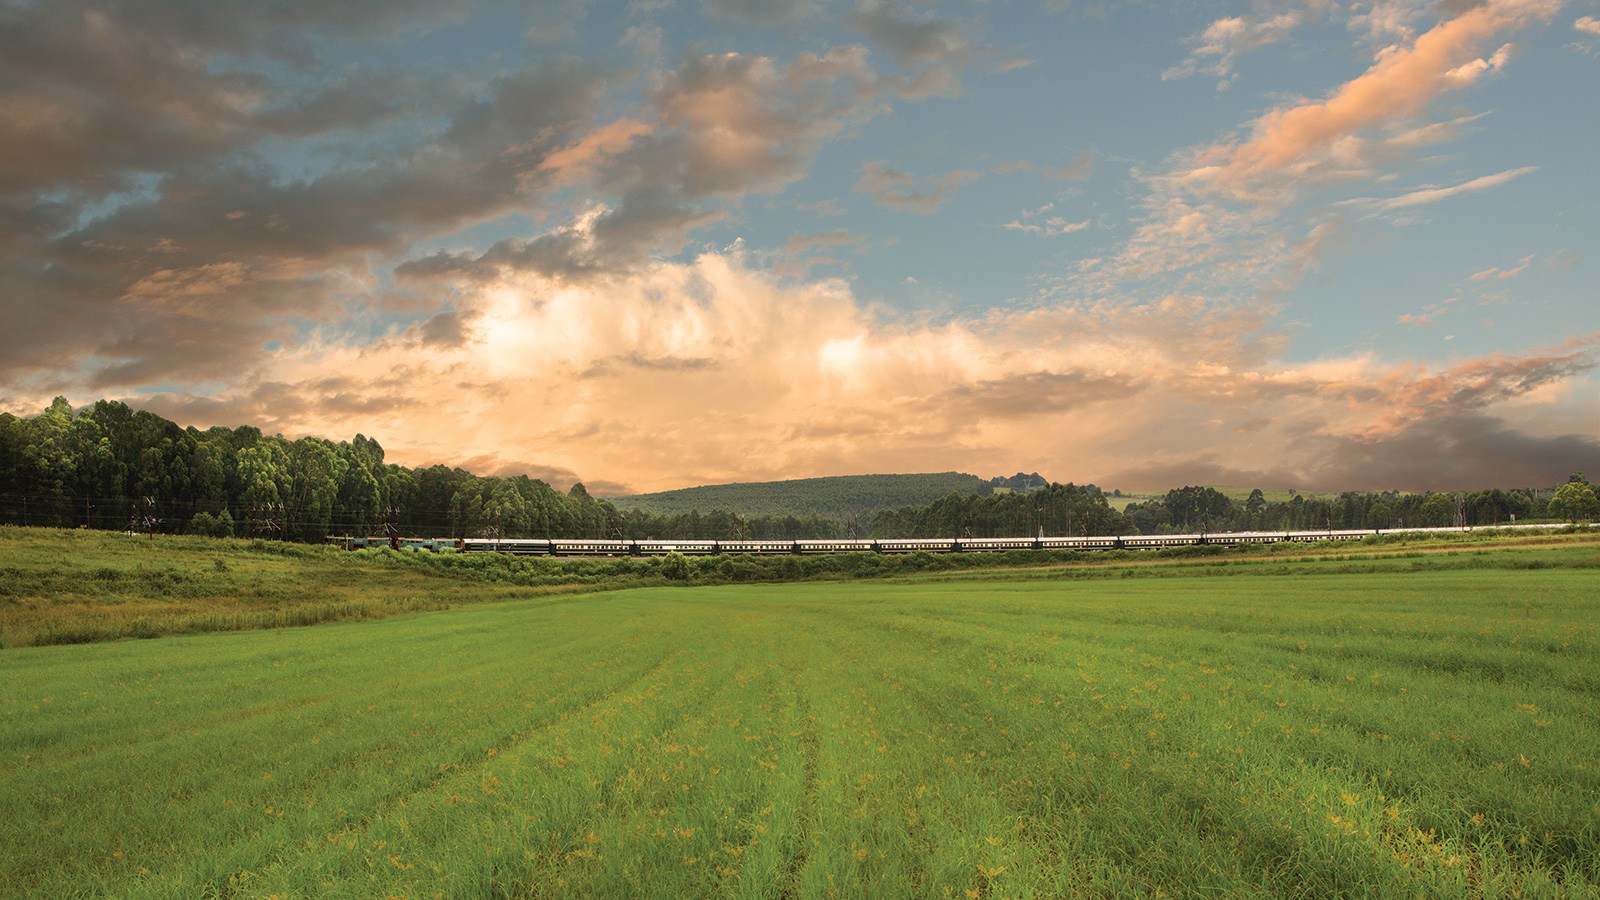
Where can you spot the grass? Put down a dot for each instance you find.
(69, 587)
(65, 587)
(1392, 723)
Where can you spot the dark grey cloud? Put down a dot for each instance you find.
(445, 331)
(933, 51)
(1467, 452)
(1454, 453)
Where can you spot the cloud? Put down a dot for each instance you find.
(1080, 168)
(715, 371)
(164, 246)
(167, 248)
(1565, 258)
(1054, 226)
(1219, 46)
(1339, 136)
(1496, 273)
(1387, 21)
(1588, 25)
(212, 201)
(574, 163)
(833, 238)
(933, 51)
(896, 190)
(1456, 453)
(1429, 315)
(1434, 195)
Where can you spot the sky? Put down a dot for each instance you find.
(656, 244)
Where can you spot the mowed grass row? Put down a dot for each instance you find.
(1426, 733)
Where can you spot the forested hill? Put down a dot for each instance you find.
(839, 496)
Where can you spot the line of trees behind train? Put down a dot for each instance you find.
(111, 467)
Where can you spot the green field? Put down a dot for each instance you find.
(1408, 724)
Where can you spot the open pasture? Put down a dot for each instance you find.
(1404, 732)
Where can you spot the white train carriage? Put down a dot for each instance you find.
(1103, 542)
(757, 547)
(916, 545)
(1157, 541)
(1260, 537)
(992, 545)
(835, 546)
(563, 547)
(1246, 537)
(687, 548)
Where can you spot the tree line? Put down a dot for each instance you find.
(109, 466)
(1204, 509)
(112, 467)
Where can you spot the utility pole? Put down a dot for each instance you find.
(390, 531)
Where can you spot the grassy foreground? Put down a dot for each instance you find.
(1353, 728)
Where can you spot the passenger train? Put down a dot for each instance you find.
(626, 547)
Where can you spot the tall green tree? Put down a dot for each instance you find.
(1575, 501)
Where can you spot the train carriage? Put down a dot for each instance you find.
(1104, 542)
(757, 547)
(1253, 537)
(833, 546)
(562, 547)
(602, 548)
(1157, 541)
(993, 545)
(687, 548)
(916, 545)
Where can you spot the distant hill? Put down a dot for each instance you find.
(838, 496)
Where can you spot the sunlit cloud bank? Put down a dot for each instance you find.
(710, 371)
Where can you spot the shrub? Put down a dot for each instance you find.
(675, 567)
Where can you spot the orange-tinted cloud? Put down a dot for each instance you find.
(713, 371)
(1322, 139)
